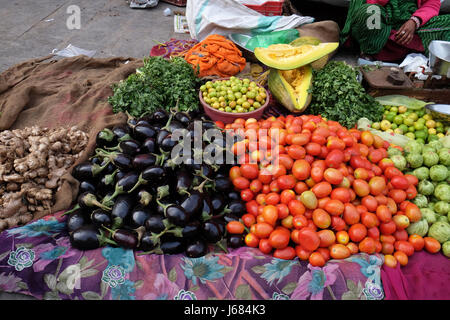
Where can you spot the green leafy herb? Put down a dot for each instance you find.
(337, 95)
(159, 84)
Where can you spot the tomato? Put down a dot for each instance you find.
(361, 187)
(369, 219)
(265, 176)
(390, 261)
(385, 163)
(300, 139)
(309, 199)
(241, 183)
(256, 186)
(390, 203)
(251, 240)
(335, 207)
(342, 237)
(401, 221)
(299, 221)
(357, 232)
(248, 219)
(270, 214)
(361, 173)
(261, 199)
(377, 185)
(388, 227)
(338, 224)
(367, 138)
(367, 245)
(375, 155)
(272, 198)
(235, 227)
(384, 214)
(397, 195)
(296, 152)
(341, 194)
(411, 192)
(287, 222)
(387, 239)
(321, 218)
(279, 239)
(351, 215)
(247, 195)
(391, 172)
(313, 148)
(413, 213)
(325, 252)
(319, 139)
(317, 174)
(322, 189)
(339, 251)
(401, 235)
(286, 182)
(327, 238)
(381, 199)
(373, 233)
(404, 246)
(403, 205)
(370, 203)
(300, 186)
(334, 158)
(249, 171)
(387, 248)
(301, 169)
(401, 257)
(287, 253)
(417, 242)
(353, 247)
(400, 182)
(262, 229)
(235, 172)
(431, 245)
(333, 176)
(316, 259)
(274, 187)
(302, 253)
(412, 179)
(309, 239)
(264, 246)
(335, 143)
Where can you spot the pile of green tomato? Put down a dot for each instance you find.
(234, 95)
(430, 163)
(415, 124)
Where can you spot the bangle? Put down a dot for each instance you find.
(416, 21)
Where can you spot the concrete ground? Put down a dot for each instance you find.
(32, 29)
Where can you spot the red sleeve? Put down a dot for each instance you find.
(380, 2)
(427, 10)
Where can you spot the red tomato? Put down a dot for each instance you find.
(235, 227)
(286, 161)
(283, 210)
(248, 219)
(302, 253)
(373, 233)
(296, 207)
(251, 240)
(400, 182)
(401, 235)
(309, 239)
(412, 179)
(327, 238)
(361, 187)
(287, 253)
(265, 176)
(301, 169)
(361, 173)
(370, 203)
(333, 176)
(342, 237)
(387, 227)
(235, 172)
(405, 246)
(339, 251)
(411, 192)
(413, 213)
(252, 207)
(387, 248)
(341, 194)
(397, 195)
(390, 261)
(322, 189)
(334, 158)
(264, 246)
(313, 148)
(431, 245)
(401, 257)
(241, 183)
(417, 242)
(272, 198)
(300, 187)
(256, 186)
(286, 196)
(286, 182)
(316, 259)
(335, 207)
(357, 232)
(270, 214)
(262, 229)
(279, 239)
(401, 221)
(296, 152)
(375, 155)
(369, 219)
(351, 215)
(321, 218)
(377, 185)
(367, 245)
(384, 214)
(391, 172)
(249, 171)
(317, 174)
(338, 224)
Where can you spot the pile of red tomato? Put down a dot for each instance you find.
(332, 193)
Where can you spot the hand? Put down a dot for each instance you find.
(406, 32)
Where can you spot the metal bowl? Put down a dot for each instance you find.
(440, 112)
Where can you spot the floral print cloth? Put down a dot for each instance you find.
(37, 260)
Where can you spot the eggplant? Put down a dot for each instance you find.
(155, 224)
(207, 209)
(88, 200)
(131, 122)
(142, 132)
(160, 116)
(95, 160)
(237, 207)
(192, 229)
(138, 216)
(174, 125)
(193, 204)
(233, 195)
(144, 197)
(227, 217)
(223, 184)
(142, 161)
(162, 205)
(149, 145)
(124, 185)
(218, 203)
(206, 171)
(162, 134)
(211, 231)
(105, 138)
(109, 169)
(76, 219)
(85, 237)
(172, 245)
(183, 118)
(130, 147)
(100, 218)
(183, 182)
(143, 121)
(87, 170)
(197, 248)
(235, 240)
(120, 174)
(87, 186)
(106, 184)
(122, 209)
(118, 159)
(146, 243)
(191, 165)
(167, 143)
(125, 238)
(154, 174)
(177, 215)
(121, 132)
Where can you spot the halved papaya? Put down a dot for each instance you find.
(287, 57)
(291, 88)
(308, 40)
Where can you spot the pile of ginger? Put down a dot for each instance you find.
(32, 162)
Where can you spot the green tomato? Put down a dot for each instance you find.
(438, 172)
(385, 125)
(442, 192)
(410, 135)
(418, 126)
(398, 119)
(421, 201)
(413, 116)
(394, 126)
(408, 121)
(444, 156)
(422, 173)
(430, 158)
(442, 207)
(376, 125)
(415, 160)
(425, 187)
(446, 249)
(393, 109)
(411, 129)
(390, 116)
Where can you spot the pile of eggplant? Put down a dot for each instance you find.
(132, 194)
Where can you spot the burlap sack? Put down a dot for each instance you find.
(65, 92)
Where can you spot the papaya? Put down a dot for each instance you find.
(288, 57)
(291, 88)
(308, 40)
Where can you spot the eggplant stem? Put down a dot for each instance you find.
(200, 186)
(220, 245)
(75, 208)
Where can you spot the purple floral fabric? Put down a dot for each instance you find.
(37, 260)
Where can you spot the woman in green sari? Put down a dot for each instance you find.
(388, 30)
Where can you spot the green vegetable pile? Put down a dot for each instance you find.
(337, 95)
(430, 163)
(159, 84)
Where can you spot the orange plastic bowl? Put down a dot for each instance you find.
(229, 117)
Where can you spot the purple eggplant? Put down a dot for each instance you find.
(196, 248)
(139, 216)
(142, 161)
